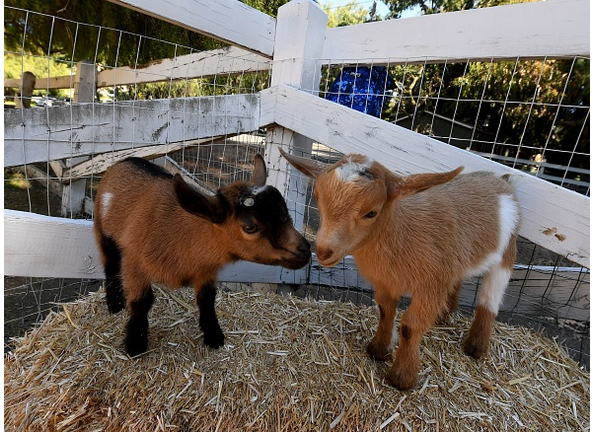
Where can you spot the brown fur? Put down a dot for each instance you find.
(161, 241)
(430, 231)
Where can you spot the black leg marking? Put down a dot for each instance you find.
(114, 294)
(213, 335)
(137, 327)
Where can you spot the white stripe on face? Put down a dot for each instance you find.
(350, 171)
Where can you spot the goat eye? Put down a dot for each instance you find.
(250, 229)
(371, 214)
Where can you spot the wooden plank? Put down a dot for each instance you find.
(85, 129)
(554, 29)
(44, 246)
(227, 20)
(100, 163)
(59, 82)
(553, 217)
(301, 27)
(73, 192)
(230, 60)
(23, 99)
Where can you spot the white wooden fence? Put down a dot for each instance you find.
(293, 46)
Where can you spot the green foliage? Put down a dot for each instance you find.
(269, 7)
(514, 102)
(397, 7)
(15, 65)
(349, 14)
(70, 31)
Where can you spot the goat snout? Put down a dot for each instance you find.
(301, 255)
(325, 256)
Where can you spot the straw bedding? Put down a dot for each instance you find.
(288, 365)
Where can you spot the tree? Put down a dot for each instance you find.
(397, 7)
(349, 14)
(69, 30)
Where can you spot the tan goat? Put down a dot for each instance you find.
(153, 227)
(421, 235)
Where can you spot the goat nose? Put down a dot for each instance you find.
(323, 253)
(304, 248)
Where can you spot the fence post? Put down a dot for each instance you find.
(73, 192)
(23, 100)
(298, 45)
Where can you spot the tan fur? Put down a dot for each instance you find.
(430, 232)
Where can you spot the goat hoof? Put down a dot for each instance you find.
(378, 351)
(474, 349)
(137, 345)
(402, 380)
(215, 339)
(115, 307)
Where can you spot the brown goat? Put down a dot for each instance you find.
(420, 235)
(152, 227)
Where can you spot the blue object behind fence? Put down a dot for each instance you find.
(362, 88)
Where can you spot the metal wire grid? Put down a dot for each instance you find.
(532, 115)
(163, 86)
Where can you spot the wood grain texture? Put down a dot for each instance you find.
(44, 246)
(554, 29)
(37, 135)
(226, 20)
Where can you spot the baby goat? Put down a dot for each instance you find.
(423, 235)
(153, 227)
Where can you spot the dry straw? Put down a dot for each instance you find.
(288, 364)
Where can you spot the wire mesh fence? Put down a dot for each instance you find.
(532, 115)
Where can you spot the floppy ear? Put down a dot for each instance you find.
(213, 208)
(259, 174)
(309, 167)
(401, 187)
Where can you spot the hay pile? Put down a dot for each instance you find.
(288, 364)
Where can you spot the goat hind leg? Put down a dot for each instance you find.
(137, 327)
(490, 296)
(112, 263)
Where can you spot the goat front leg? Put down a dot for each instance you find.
(137, 327)
(139, 299)
(386, 336)
(418, 318)
(205, 298)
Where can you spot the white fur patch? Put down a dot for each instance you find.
(497, 277)
(509, 215)
(351, 171)
(395, 335)
(257, 190)
(105, 201)
(493, 288)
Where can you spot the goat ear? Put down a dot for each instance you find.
(192, 201)
(309, 167)
(401, 187)
(259, 174)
